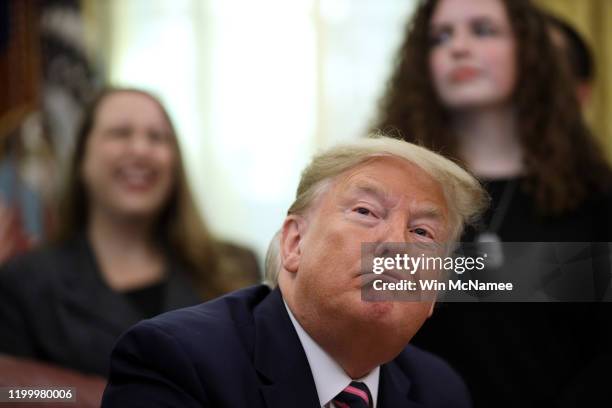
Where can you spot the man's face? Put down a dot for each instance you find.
(385, 199)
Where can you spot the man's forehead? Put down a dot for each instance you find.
(367, 186)
(387, 176)
(383, 173)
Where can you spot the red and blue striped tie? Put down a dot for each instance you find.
(355, 395)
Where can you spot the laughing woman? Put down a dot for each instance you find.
(481, 81)
(130, 245)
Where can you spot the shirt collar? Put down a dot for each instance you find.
(330, 379)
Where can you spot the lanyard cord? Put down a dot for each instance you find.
(502, 208)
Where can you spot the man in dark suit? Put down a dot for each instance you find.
(312, 341)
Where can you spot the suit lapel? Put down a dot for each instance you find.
(394, 388)
(280, 360)
(286, 378)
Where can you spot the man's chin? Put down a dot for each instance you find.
(378, 312)
(390, 315)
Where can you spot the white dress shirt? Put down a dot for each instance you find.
(330, 379)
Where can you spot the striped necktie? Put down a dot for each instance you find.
(355, 395)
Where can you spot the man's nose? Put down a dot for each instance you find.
(394, 240)
(398, 231)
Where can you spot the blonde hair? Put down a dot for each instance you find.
(465, 197)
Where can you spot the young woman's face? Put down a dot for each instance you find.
(130, 157)
(472, 57)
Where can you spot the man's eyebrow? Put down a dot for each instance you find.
(425, 210)
(429, 211)
(370, 189)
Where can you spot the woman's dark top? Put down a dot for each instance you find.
(149, 300)
(530, 354)
(55, 306)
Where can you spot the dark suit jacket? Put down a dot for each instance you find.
(54, 306)
(242, 350)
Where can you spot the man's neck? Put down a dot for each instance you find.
(357, 355)
(329, 377)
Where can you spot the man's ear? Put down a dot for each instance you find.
(291, 237)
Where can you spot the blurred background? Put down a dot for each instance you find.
(254, 88)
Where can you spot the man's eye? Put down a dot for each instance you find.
(422, 231)
(363, 211)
